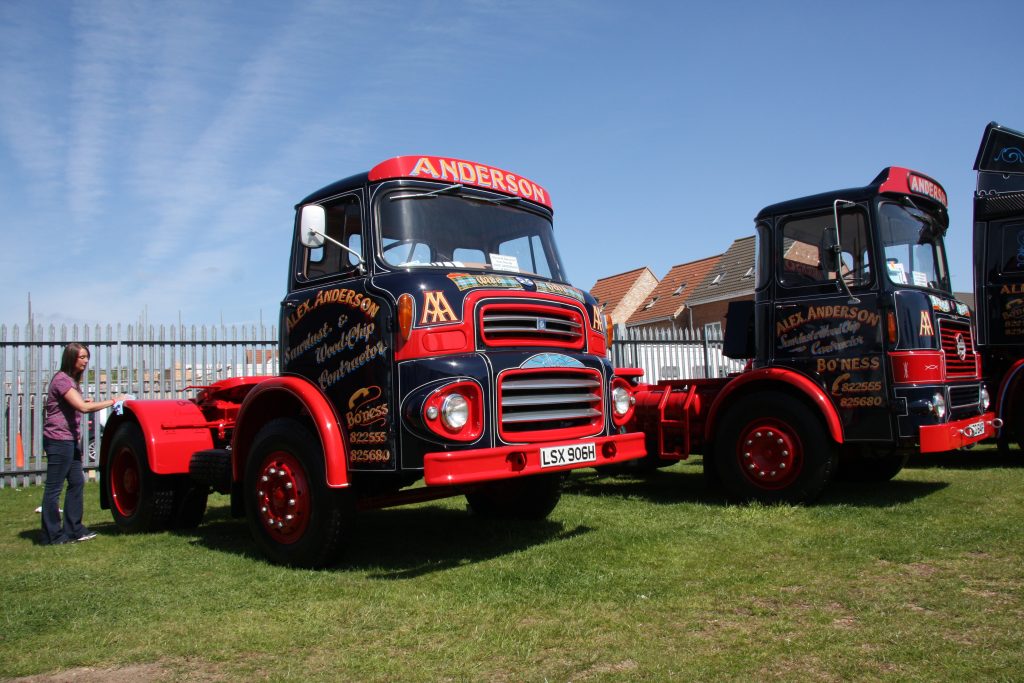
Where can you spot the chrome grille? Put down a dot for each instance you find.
(517, 324)
(550, 403)
(956, 337)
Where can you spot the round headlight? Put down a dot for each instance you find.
(939, 405)
(985, 399)
(621, 400)
(455, 411)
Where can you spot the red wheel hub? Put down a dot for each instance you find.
(770, 453)
(282, 497)
(124, 482)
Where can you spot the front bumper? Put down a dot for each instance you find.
(953, 435)
(449, 468)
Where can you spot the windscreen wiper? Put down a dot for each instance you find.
(447, 189)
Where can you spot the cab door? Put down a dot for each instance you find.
(826, 331)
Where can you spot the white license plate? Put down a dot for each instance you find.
(567, 455)
(975, 429)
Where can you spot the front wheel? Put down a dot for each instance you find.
(773, 448)
(294, 517)
(532, 497)
(140, 501)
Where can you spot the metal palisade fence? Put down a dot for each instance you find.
(671, 354)
(145, 361)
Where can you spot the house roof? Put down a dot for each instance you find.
(732, 276)
(610, 290)
(669, 298)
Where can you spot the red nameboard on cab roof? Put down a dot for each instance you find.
(460, 171)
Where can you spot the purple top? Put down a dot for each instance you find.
(62, 421)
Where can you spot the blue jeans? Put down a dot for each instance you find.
(63, 463)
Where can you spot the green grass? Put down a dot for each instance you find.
(631, 578)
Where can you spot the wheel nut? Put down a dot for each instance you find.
(291, 502)
(265, 478)
(780, 442)
(272, 470)
(746, 455)
(288, 485)
(751, 466)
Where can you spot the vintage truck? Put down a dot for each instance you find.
(428, 334)
(859, 353)
(999, 273)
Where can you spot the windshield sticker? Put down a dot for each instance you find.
(551, 360)
(920, 279)
(504, 262)
(896, 272)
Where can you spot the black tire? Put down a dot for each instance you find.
(190, 501)
(140, 501)
(294, 517)
(877, 467)
(772, 448)
(213, 468)
(532, 497)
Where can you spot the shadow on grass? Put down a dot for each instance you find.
(674, 486)
(972, 459)
(402, 543)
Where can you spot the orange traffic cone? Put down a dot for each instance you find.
(20, 453)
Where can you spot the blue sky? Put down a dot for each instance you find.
(151, 153)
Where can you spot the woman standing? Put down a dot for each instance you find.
(61, 442)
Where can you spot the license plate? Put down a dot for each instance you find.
(567, 455)
(974, 429)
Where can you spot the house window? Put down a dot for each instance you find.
(650, 303)
(713, 331)
(679, 289)
(749, 274)
(718, 278)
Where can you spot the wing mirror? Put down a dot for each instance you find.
(313, 232)
(313, 226)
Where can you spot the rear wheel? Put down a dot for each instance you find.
(773, 448)
(295, 518)
(532, 497)
(140, 500)
(190, 501)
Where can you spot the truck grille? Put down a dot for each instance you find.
(518, 324)
(547, 404)
(957, 339)
(965, 396)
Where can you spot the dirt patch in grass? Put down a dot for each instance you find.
(135, 673)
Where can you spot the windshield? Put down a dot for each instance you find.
(912, 240)
(453, 228)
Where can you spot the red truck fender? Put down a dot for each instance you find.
(280, 396)
(775, 375)
(173, 429)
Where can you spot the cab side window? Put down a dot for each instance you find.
(803, 259)
(344, 225)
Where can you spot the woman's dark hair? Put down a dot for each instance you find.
(70, 357)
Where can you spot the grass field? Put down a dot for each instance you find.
(652, 578)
